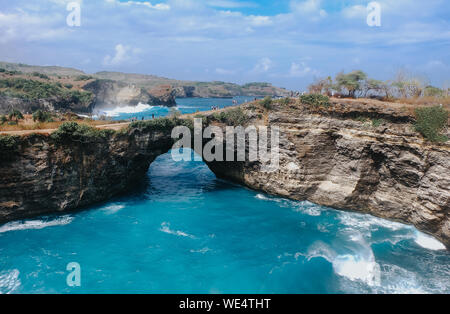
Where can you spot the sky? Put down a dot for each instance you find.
(288, 43)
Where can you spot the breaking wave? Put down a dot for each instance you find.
(35, 224)
(428, 242)
(127, 109)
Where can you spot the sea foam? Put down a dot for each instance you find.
(165, 227)
(128, 109)
(35, 224)
(9, 281)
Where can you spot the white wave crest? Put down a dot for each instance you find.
(127, 109)
(165, 227)
(357, 265)
(35, 224)
(113, 208)
(309, 209)
(369, 222)
(428, 242)
(9, 281)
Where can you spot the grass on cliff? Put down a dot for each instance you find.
(232, 117)
(315, 100)
(430, 122)
(74, 132)
(161, 124)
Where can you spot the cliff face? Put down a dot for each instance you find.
(332, 160)
(110, 94)
(326, 156)
(41, 176)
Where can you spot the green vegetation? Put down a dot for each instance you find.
(34, 90)
(42, 116)
(315, 100)
(40, 75)
(161, 124)
(8, 145)
(284, 101)
(8, 142)
(232, 117)
(9, 72)
(358, 84)
(430, 122)
(16, 115)
(431, 91)
(267, 102)
(377, 122)
(68, 86)
(3, 119)
(352, 82)
(83, 78)
(74, 132)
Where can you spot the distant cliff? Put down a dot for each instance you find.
(110, 94)
(64, 86)
(29, 92)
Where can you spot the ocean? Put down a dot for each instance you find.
(186, 231)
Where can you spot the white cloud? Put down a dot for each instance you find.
(301, 70)
(123, 54)
(356, 11)
(158, 6)
(263, 65)
(309, 8)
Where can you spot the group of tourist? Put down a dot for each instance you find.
(135, 119)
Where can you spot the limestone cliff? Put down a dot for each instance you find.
(331, 159)
(330, 156)
(111, 94)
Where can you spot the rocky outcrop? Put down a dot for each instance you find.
(329, 156)
(40, 176)
(111, 94)
(330, 159)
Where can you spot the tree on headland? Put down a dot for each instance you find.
(42, 116)
(351, 82)
(16, 115)
(321, 86)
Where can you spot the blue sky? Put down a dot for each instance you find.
(286, 42)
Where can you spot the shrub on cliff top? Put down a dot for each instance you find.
(161, 124)
(315, 100)
(8, 145)
(16, 115)
(232, 117)
(42, 116)
(74, 132)
(8, 142)
(430, 122)
(267, 102)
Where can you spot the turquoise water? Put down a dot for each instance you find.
(185, 231)
(184, 105)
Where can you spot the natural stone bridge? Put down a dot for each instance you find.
(325, 157)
